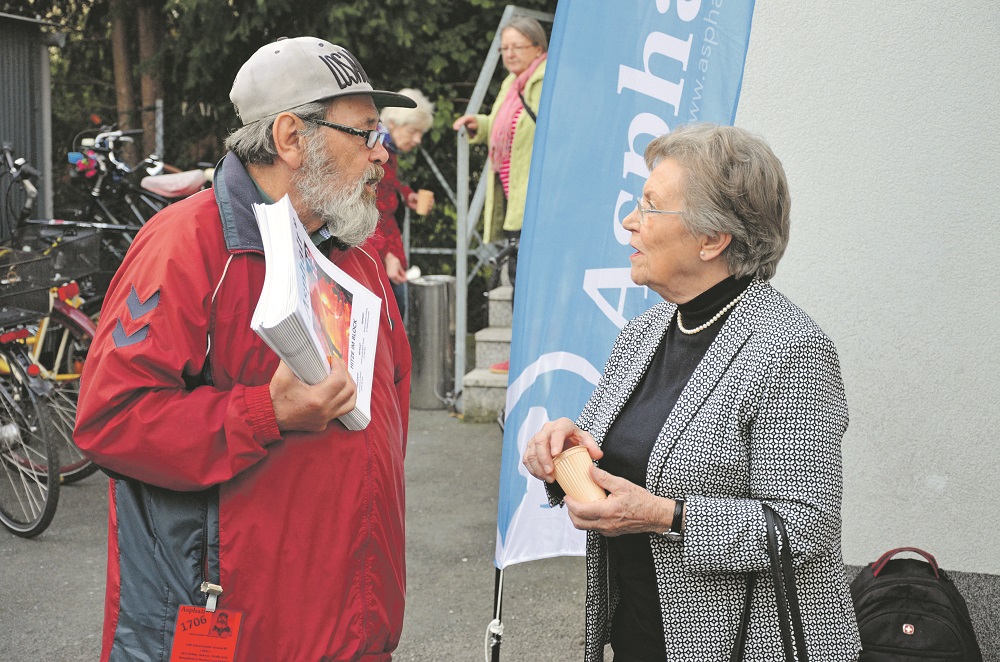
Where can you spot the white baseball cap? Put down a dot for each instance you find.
(292, 72)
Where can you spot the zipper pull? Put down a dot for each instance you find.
(213, 591)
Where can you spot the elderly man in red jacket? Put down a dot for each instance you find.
(234, 488)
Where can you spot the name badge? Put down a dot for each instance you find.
(205, 636)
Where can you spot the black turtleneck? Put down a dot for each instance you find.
(637, 626)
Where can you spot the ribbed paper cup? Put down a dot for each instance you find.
(572, 469)
(425, 199)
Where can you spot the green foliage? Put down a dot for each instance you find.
(437, 46)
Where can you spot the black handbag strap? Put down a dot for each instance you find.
(741, 635)
(527, 108)
(785, 594)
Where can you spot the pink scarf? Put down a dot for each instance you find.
(502, 133)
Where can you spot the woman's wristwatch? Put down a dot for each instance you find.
(674, 533)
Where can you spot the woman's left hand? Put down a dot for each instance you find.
(394, 269)
(628, 508)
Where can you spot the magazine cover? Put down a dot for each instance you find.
(311, 312)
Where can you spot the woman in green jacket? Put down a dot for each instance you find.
(510, 132)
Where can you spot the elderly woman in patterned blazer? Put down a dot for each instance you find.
(723, 398)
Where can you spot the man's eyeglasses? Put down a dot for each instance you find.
(649, 210)
(504, 49)
(372, 137)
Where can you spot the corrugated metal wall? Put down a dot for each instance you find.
(22, 124)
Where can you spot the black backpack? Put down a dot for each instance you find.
(909, 609)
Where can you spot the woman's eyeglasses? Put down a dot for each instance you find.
(649, 210)
(504, 49)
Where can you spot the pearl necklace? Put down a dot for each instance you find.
(710, 322)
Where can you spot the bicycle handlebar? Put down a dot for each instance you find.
(111, 136)
(27, 171)
(8, 157)
(21, 172)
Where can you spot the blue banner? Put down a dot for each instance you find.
(618, 75)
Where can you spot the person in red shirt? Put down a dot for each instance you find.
(405, 129)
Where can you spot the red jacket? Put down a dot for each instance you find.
(303, 531)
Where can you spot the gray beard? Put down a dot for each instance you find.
(349, 212)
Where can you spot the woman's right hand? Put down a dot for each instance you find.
(550, 441)
(469, 122)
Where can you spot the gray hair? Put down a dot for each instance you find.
(733, 183)
(421, 117)
(254, 143)
(531, 29)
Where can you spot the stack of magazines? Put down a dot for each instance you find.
(311, 313)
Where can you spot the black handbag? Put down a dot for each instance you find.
(785, 595)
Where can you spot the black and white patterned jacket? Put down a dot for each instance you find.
(761, 420)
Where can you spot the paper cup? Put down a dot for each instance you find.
(572, 469)
(425, 199)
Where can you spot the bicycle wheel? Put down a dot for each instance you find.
(63, 355)
(29, 457)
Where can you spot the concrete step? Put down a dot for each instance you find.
(484, 395)
(501, 302)
(492, 346)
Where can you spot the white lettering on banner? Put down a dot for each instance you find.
(687, 10)
(645, 82)
(595, 280)
(650, 124)
(643, 124)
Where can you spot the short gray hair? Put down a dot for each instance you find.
(531, 29)
(733, 183)
(254, 143)
(421, 117)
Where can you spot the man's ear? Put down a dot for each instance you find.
(288, 140)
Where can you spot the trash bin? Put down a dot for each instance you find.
(431, 312)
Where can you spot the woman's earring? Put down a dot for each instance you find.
(703, 253)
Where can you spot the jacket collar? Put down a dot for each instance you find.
(235, 194)
(736, 331)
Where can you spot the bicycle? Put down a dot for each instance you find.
(29, 454)
(112, 195)
(58, 348)
(117, 203)
(55, 345)
(117, 195)
(59, 339)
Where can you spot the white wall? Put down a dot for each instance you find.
(887, 119)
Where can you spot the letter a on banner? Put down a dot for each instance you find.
(618, 75)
